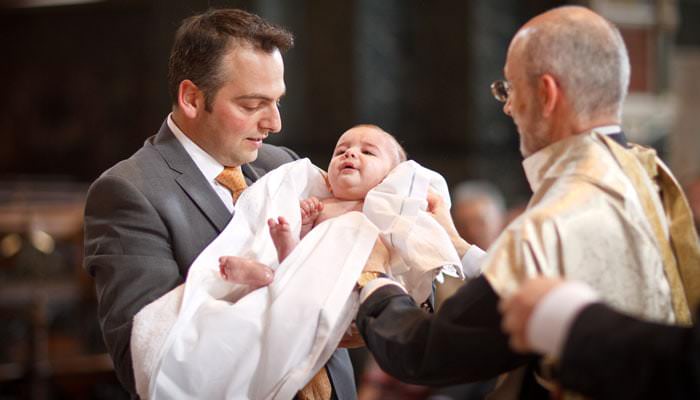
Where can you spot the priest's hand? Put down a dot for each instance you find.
(245, 272)
(518, 308)
(441, 213)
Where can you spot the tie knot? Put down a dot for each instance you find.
(232, 179)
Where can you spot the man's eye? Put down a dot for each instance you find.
(250, 107)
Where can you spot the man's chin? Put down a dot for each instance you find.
(524, 151)
(241, 159)
(250, 157)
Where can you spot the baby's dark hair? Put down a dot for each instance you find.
(401, 155)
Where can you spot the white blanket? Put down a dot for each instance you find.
(215, 340)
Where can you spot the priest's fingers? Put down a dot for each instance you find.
(439, 211)
(435, 201)
(245, 272)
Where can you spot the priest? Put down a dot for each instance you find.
(603, 211)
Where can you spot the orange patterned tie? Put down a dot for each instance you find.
(319, 388)
(232, 179)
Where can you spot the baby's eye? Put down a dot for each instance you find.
(367, 152)
(339, 152)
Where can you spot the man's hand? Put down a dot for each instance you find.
(439, 211)
(518, 309)
(245, 272)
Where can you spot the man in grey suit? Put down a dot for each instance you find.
(148, 217)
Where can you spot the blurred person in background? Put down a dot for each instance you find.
(478, 210)
(479, 213)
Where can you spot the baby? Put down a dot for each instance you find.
(363, 156)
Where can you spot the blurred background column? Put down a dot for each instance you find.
(379, 63)
(685, 136)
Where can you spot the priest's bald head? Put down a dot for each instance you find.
(567, 71)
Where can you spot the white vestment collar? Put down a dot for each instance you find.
(556, 159)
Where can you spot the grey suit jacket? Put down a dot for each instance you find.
(146, 219)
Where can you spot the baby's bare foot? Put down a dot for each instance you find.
(282, 237)
(245, 271)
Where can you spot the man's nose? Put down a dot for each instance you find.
(272, 122)
(506, 107)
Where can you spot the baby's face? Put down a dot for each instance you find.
(362, 158)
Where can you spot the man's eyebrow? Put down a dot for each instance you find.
(257, 96)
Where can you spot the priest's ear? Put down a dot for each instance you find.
(190, 99)
(550, 93)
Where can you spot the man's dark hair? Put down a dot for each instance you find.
(202, 40)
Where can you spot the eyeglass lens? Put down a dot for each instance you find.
(499, 89)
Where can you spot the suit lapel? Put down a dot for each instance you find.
(208, 202)
(251, 173)
(191, 179)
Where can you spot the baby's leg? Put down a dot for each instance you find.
(282, 237)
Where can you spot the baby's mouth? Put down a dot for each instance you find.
(347, 166)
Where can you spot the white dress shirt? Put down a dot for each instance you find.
(209, 167)
(551, 319)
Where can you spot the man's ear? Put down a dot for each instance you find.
(550, 93)
(190, 99)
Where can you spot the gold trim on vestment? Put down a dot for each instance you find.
(679, 248)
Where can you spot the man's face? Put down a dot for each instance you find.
(244, 109)
(362, 158)
(478, 221)
(524, 104)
